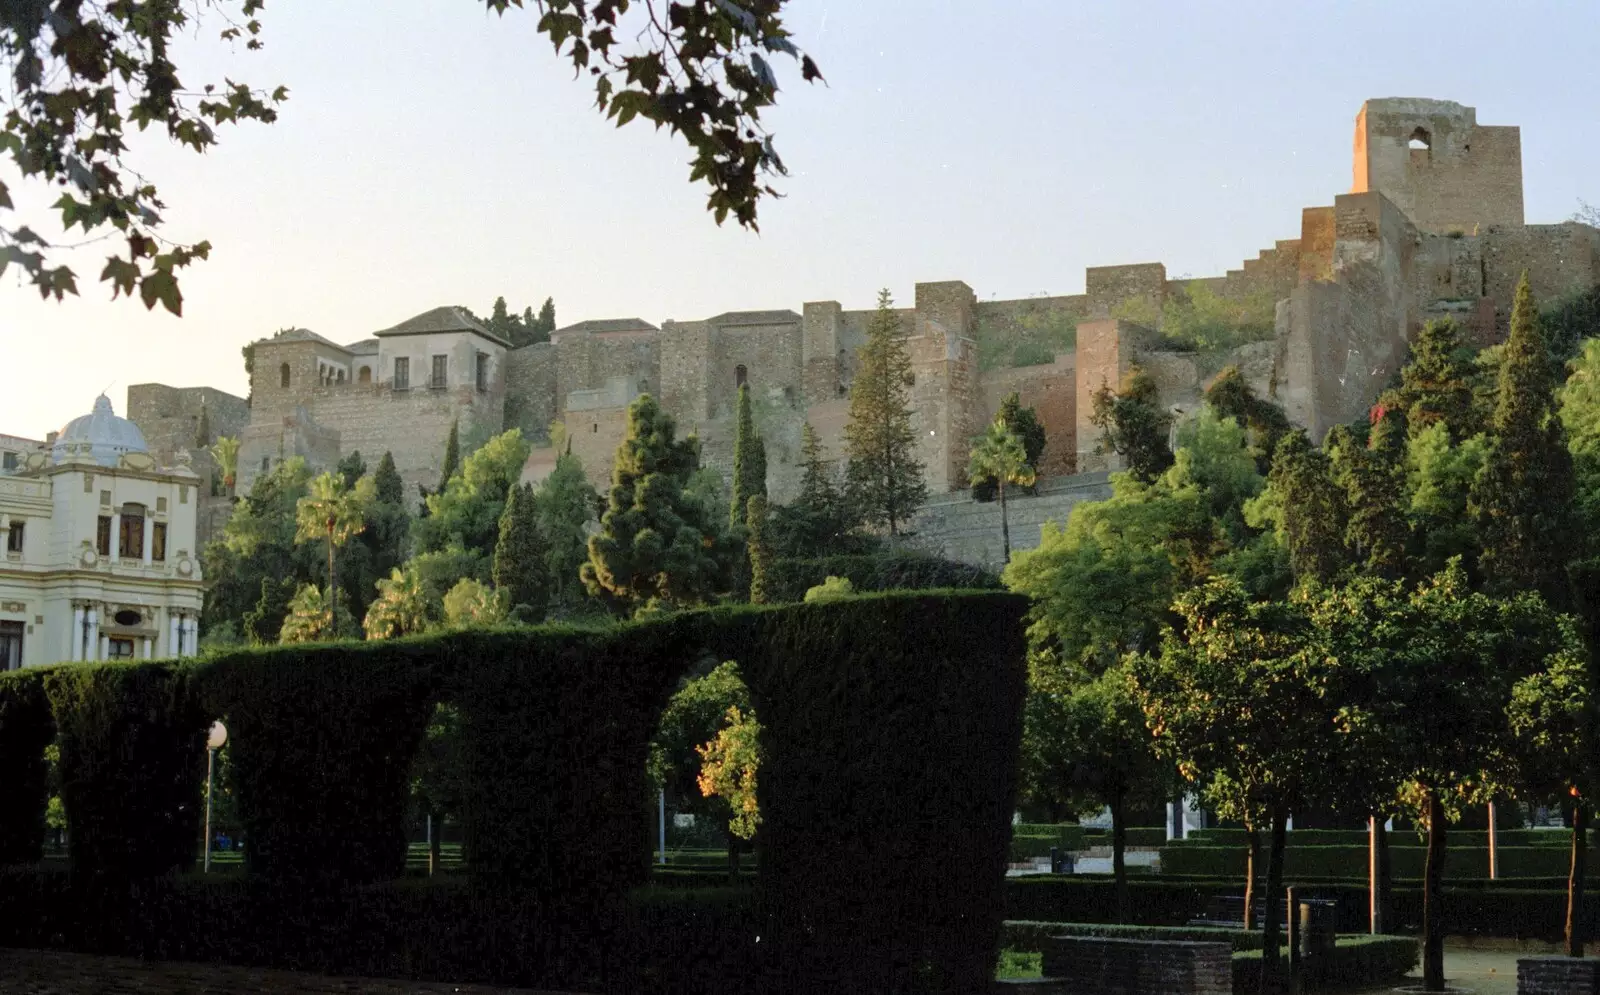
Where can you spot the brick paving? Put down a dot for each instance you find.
(41, 972)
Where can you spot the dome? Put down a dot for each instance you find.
(100, 436)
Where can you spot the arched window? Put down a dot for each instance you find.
(366, 374)
(130, 542)
(283, 375)
(339, 377)
(740, 376)
(1421, 141)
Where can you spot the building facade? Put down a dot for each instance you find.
(99, 554)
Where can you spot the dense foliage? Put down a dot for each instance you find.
(884, 476)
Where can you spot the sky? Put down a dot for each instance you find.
(433, 153)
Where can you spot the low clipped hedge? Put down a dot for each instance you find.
(1141, 836)
(1350, 862)
(1030, 936)
(1398, 838)
(132, 743)
(26, 728)
(1358, 962)
(1037, 839)
(789, 580)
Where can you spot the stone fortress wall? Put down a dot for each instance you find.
(1433, 226)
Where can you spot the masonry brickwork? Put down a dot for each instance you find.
(1433, 226)
(1101, 966)
(1558, 976)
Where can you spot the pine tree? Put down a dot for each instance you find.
(885, 478)
(1133, 426)
(519, 555)
(1436, 384)
(1373, 480)
(547, 321)
(760, 550)
(657, 546)
(1522, 497)
(504, 324)
(818, 521)
(749, 460)
(388, 487)
(1025, 423)
(351, 468)
(1314, 513)
(452, 458)
(566, 503)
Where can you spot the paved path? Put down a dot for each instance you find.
(1483, 972)
(38, 972)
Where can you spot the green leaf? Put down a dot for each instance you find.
(161, 286)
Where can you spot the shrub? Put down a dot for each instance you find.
(320, 741)
(1032, 354)
(1398, 838)
(132, 743)
(1029, 840)
(1145, 836)
(26, 728)
(789, 579)
(1026, 935)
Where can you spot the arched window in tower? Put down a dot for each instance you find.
(283, 375)
(1421, 142)
(741, 376)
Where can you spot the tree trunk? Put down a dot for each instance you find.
(1580, 858)
(435, 830)
(1005, 527)
(733, 858)
(1432, 899)
(1273, 928)
(1119, 847)
(1252, 865)
(1385, 872)
(333, 607)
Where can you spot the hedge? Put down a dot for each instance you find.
(891, 727)
(1358, 962)
(1398, 838)
(1030, 936)
(1144, 836)
(1350, 862)
(320, 746)
(790, 579)
(132, 742)
(1037, 839)
(26, 729)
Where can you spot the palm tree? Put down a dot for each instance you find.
(226, 452)
(337, 514)
(999, 455)
(401, 608)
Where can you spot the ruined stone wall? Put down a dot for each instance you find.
(169, 417)
(588, 359)
(1109, 287)
(1052, 392)
(269, 398)
(266, 442)
(770, 355)
(686, 369)
(1560, 260)
(968, 531)
(1318, 232)
(1467, 179)
(1106, 349)
(823, 373)
(944, 404)
(595, 435)
(531, 401)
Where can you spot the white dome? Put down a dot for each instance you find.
(99, 435)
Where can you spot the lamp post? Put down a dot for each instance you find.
(214, 741)
(661, 822)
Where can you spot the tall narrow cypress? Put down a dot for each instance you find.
(452, 456)
(749, 460)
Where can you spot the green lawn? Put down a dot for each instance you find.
(1019, 964)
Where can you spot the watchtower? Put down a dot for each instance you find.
(1445, 171)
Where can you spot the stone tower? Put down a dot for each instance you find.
(1445, 172)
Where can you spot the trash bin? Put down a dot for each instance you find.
(1318, 934)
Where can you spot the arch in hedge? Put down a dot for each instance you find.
(891, 726)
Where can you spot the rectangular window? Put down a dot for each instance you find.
(105, 499)
(158, 542)
(88, 483)
(402, 373)
(14, 538)
(102, 536)
(9, 461)
(483, 371)
(161, 505)
(121, 649)
(11, 645)
(441, 366)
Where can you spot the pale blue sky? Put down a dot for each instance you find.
(434, 154)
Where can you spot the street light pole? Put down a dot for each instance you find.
(661, 822)
(211, 762)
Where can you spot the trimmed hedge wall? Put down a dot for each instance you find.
(891, 726)
(132, 741)
(320, 743)
(1350, 862)
(789, 580)
(1030, 936)
(26, 728)
(1145, 836)
(1398, 838)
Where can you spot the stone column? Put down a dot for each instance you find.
(116, 536)
(105, 648)
(77, 632)
(172, 635)
(149, 645)
(91, 651)
(191, 642)
(147, 540)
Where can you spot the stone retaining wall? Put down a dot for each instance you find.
(1558, 976)
(1093, 965)
(968, 531)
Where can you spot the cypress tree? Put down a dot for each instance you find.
(885, 478)
(1373, 480)
(1314, 512)
(388, 488)
(749, 460)
(452, 458)
(519, 554)
(202, 431)
(1522, 497)
(656, 545)
(547, 321)
(1436, 384)
(759, 550)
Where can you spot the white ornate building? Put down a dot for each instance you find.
(98, 559)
